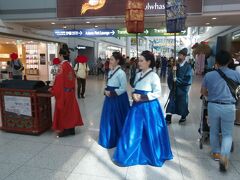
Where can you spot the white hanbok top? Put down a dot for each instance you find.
(150, 83)
(117, 79)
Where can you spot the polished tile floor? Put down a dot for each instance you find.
(44, 157)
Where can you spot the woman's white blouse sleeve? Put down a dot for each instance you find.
(156, 87)
(123, 83)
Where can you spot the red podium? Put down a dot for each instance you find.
(25, 111)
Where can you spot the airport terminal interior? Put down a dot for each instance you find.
(36, 32)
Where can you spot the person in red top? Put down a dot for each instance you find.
(67, 115)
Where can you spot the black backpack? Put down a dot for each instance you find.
(233, 85)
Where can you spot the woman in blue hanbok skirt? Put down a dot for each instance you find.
(116, 104)
(144, 138)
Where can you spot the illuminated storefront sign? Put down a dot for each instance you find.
(87, 8)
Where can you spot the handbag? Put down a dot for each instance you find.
(234, 86)
(18, 67)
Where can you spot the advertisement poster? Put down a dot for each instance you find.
(42, 59)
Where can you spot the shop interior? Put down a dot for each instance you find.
(36, 56)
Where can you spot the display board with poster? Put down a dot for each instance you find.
(18, 105)
(43, 59)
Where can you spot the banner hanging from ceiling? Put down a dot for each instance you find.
(175, 15)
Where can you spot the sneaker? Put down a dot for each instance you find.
(182, 121)
(216, 156)
(223, 164)
(83, 96)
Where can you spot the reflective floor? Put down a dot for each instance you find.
(24, 157)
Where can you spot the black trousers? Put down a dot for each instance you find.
(81, 86)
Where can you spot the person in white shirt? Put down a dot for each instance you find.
(81, 68)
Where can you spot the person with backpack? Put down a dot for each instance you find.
(221, 107)
(81, 68)
(16, 66)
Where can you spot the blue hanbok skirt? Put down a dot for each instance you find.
(144, 139)
(114, 112)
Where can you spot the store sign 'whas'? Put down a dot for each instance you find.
(86, 8)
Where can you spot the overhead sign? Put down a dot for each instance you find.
(88, 8)
(149, 32)
(85, 33)
(112, 33)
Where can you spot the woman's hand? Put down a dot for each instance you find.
(136, 97)
(107, 93)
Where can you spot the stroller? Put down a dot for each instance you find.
(204, 129)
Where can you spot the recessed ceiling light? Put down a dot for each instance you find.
(207, 23)
(88, 22)
(64, 27)
(53, 23)
(95, 26)
(214, 18)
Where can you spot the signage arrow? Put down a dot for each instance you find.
(113, 32)
(184, 32)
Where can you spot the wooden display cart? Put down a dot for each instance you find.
(25, 111)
